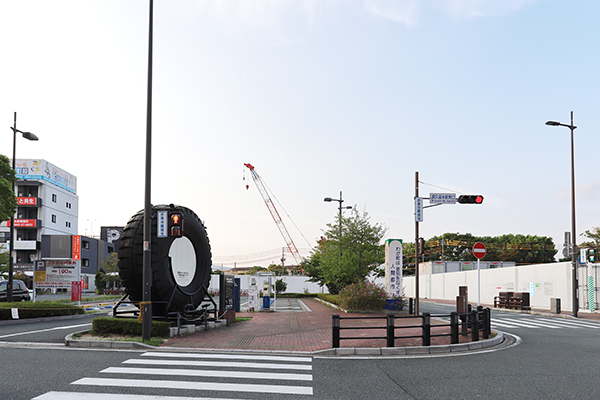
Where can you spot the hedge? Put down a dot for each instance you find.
(38, 310)
(128, 326)
(330, 298)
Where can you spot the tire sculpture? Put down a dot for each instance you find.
(181, 266)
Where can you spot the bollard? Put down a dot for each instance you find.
(411, 309)
(487, 327)
(474, 326)
(335, 321)
(426, 329)
(390, 331)
(453, 327)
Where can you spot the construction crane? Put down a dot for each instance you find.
(275, 214)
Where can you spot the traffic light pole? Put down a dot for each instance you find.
(146, 306)
(416, 248)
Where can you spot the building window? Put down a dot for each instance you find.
(53, 218)
(85, 262)
(68, 224)
(54, 198)
(68, 205)
(86, 244)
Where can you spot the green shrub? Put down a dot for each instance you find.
(38, 310)
(330, 298)
(363, 296)
(128, 326)
(296, 295)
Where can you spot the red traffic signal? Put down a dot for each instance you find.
(175, 224)
(470, 199)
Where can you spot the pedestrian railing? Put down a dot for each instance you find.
(476, 324)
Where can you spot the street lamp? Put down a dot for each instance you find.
(9, 287)
(340, 201)
(574, 246)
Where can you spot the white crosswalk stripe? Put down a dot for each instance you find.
(535, 322)
(196, 373)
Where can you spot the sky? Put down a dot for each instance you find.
(321, 96)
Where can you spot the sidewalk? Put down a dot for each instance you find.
(303, 331)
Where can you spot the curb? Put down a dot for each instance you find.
(343, 351)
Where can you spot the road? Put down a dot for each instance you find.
(550, 358)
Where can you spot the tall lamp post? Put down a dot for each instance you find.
(574, 246)
(9, 287)
(340, 201)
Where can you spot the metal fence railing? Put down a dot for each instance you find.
(475, 323)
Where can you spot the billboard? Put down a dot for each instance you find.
(44, 171)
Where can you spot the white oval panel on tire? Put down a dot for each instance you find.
(183, 261)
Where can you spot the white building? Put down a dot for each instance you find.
(47, 205)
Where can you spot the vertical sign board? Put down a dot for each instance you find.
(76, 248)
(393, 267)
(76, 291)
(418, 209)
(162, 223)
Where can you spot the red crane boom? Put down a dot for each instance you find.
(275, 214)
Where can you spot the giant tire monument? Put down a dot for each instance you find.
(181, 262)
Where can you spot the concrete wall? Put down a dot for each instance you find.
(295, 284)
(543, 281)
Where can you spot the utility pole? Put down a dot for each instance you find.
(416, 247)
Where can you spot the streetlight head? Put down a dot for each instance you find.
(553, 123)
(348, 207)
(29, 136)
(327, 199)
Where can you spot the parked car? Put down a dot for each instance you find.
(20, 291)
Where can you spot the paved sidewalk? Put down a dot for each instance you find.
(302, 331)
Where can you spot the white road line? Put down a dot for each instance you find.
(228, 387)
(541, 324)
(518, 323)
(113, 396)
(226, 356)
(187, 363)
(574, 324)
(208, 373)
(507, 325)
(45, 330)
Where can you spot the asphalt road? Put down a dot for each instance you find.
(549, 358)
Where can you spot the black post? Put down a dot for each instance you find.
(426, 329)
(411, 309)
(474, 326)
(335, 324)
(391, 331)
(146, 307)
(453, 327)
(487, 330)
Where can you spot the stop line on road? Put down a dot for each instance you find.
(285, 375)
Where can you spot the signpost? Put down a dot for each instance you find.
(479, 253)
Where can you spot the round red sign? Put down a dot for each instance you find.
(479, 250)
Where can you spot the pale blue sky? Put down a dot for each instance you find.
(320, 96)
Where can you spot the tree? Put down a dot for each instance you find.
(3, 264)
(8, 201)
(358, 241)
(280, 286)
(255, 269)
(594, 236)
(111, 268)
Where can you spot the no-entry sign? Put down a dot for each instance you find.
(479, 250)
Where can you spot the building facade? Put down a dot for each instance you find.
(47, 205)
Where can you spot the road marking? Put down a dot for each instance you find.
(46, 330)
(228, 387)
(226, 356)
(113, 396)
(518, 323)
(208, 373)
(507, 325)
(188, 363)
(573, 324)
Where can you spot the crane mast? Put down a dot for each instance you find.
(275, 214)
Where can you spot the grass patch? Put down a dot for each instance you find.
(242, 319)
(91, 335)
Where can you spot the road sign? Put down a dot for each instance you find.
(418, 209)
(479, 250)
(161, 224)
(442, 198)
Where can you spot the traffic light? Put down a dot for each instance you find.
(470, 199)
(592, 255)
(421, 247)
(175, 224)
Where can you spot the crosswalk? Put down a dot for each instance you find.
(195, 374)
(536, 322)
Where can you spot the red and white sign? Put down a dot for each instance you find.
(76, 248)
(27, 201)
(76, 291)
(479, 250)
(24, 223)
